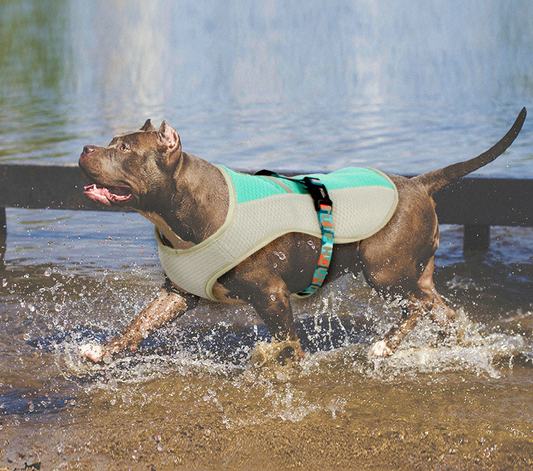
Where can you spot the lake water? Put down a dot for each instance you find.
(404, 86)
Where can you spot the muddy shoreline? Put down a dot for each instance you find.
(199, 423)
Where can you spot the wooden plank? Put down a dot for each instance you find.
(486, 202)
(45, 186)
(469, 201)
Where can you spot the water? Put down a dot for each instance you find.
(404, 87)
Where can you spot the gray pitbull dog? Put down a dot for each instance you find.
(187, 199)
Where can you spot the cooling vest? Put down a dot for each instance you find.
(263, 208)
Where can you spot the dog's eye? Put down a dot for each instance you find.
(124, 147)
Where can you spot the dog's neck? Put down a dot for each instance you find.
(197, 199)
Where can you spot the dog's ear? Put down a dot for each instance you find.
(169, 140)
(148, 126)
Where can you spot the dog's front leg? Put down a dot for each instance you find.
(168, 305)
(272, 304)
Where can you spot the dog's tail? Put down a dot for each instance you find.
(434, 181)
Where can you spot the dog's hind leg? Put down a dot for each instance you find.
(439, 312)
(421, 301)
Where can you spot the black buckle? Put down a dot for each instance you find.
(314, 186)
(318, 192)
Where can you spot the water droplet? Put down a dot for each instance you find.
(47, 272)
(311, 244)
(280, 255)
(58, 307)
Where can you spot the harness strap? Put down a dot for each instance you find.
(324, 209)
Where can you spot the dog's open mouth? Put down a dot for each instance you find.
(108, 194)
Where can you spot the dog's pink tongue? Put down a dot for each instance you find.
(98, 194)
(104, 195)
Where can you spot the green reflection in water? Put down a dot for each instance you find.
(34, 49)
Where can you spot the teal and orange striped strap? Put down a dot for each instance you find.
(324, 208)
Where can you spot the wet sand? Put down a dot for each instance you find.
(196, 418)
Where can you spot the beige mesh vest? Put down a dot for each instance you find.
(264, 208)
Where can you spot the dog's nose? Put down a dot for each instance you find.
(89, 149)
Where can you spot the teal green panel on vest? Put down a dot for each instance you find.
(352, 177)
(249, 187)
(294, 186)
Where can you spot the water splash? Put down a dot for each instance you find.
(336, 323)
(207, 354)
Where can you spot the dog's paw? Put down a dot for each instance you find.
(380, 350)
(93, 352)
(276, 352)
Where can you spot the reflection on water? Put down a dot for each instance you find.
(406, 87)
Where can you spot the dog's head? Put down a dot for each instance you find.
(132, 165)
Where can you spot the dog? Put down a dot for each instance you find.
(190, 200)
